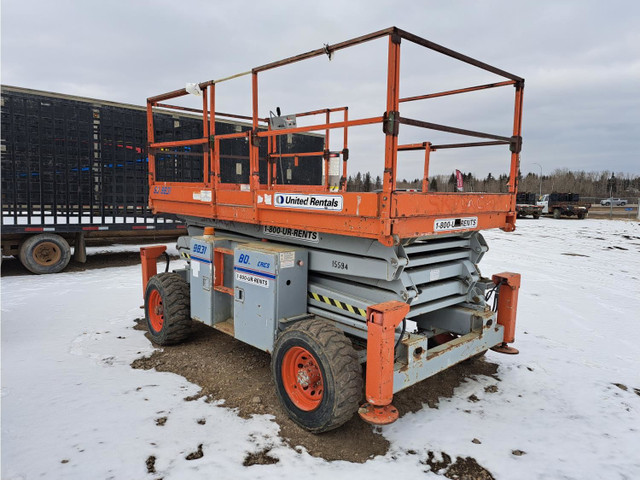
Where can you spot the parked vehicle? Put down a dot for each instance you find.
(618, 202)
(325, 279)
(567, 204)
(526, 205)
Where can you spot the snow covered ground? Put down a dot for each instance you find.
(73, 408)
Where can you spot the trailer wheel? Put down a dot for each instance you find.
(167, 308)
(45, 253)
(557, 213)
(317, 375)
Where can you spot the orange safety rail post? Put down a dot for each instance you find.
(425, 174)
(327, 147)
(149, 257)
(382, 320)
(345, 151)
(211, 171)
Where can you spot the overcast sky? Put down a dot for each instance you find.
(580, 59)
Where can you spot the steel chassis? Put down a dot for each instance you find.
(402, 266)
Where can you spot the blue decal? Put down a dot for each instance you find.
(243, 258)
(162, 190)
(202, 249)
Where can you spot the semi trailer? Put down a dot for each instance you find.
(324, 279)
(74, 170)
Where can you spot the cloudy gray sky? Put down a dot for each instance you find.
(580, 59)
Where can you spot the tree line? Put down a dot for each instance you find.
(587, 184)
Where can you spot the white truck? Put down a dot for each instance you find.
(567, 204)
(618, 202)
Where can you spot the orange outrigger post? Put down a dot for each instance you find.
(387, 215)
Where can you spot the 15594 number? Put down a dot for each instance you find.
(339, 265)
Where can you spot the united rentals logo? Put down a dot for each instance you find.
(311, 202)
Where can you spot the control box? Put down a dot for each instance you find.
(270, 284)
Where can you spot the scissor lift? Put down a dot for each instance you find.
(323, 278)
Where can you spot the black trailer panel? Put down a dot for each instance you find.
(73, 165)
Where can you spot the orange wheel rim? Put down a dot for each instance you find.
(302, 378)
(156, 310)
(47, 253)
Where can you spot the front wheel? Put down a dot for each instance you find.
(317, 375)
(167, 308)
(557, 213)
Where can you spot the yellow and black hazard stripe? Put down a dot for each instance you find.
(185, 255)
(337, 303)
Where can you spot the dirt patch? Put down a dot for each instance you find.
(462, 469)
(196, 455)
(260, 458)
(241, 375)
(151, 464)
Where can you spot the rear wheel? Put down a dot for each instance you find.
(317, 375)
(45, 253)
(557, 213)
(581, 216)
(536, 215)
(167, 308)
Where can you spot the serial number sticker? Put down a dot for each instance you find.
(286, 232)
(252, 279)
(287, 259)
(455, 223)
(434, 275)
(195, 269)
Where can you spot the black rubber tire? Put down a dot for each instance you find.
(557, 213)
(581, 216)
(340, 369)
(174, 292)
(45, 253)
(536, 216)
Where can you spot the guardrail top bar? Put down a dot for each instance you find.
(457, 55)
(328, 49)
